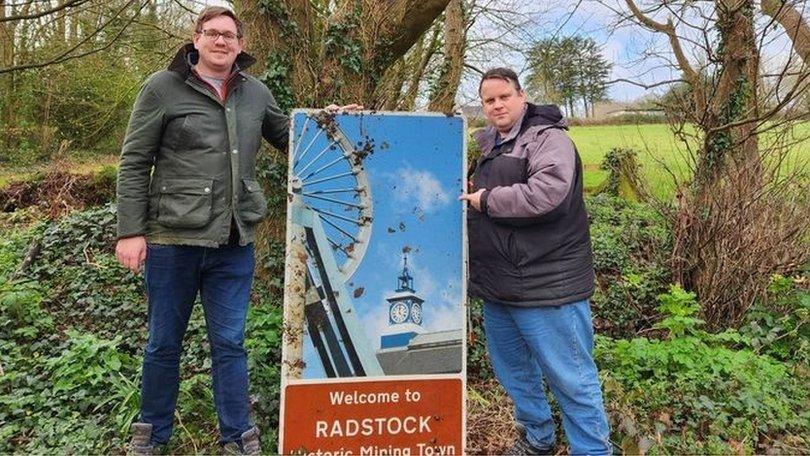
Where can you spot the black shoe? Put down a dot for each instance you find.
(249, 446)
(522, 447)
(139, 445)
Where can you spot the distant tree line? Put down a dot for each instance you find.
(569, 71)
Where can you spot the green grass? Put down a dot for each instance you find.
(657, 147)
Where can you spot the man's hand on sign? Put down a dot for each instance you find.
(473, 198)
(349, 107)
(131, 252)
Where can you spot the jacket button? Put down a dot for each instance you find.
(235, 151)
(228, 109)
(163, 188)
(207, 190)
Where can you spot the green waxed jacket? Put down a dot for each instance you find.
(187, 171)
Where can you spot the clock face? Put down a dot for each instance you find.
(399, 312)
(416, 313)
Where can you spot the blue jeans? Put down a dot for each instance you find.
(527, 344)
(174, 275)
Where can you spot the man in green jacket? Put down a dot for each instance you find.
(188, 202)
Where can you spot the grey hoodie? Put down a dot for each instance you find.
(529, 245)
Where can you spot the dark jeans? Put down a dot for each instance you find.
(174, 275)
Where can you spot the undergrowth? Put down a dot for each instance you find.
(72, 331)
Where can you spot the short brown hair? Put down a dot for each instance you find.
(504, 74)
(210, 12)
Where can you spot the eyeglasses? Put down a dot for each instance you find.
(212, 35)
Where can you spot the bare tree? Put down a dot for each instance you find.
(500, 33)
(42, 31)
(737, 219)
(795, 25)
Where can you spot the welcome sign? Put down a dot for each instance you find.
(375, 285)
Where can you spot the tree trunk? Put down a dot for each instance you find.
(340, 58)
(60, 25)
(73, 35)
(728, 176)
(7, 117)
(389, 90)
(735, 97)
(454, 44)
(418, 62)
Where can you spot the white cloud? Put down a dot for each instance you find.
(445, 312)
(421, 189)
(375, 321)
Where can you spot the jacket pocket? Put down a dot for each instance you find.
(252, 204)
(513, 251)
(521, 247)
(185, 203)
(188, 132)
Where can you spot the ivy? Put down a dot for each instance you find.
(276, 77)
(341, 42)
(278, 11)
(622, 168)
(72, 331)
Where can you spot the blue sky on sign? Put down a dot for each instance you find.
(416, 175)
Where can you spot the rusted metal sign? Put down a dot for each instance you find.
(375, 286)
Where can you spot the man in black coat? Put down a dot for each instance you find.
(531, 263)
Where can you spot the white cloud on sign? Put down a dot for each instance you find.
(420, 188)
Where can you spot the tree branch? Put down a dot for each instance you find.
(794, 92)
(667, 28)
(645, 86)
(38, 14)
(797, 29)
(416, 17)
(474, 68)
(65, 56)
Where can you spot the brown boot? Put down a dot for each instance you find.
(141, 435)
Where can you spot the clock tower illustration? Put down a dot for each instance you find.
(406, 346)
(405, 311)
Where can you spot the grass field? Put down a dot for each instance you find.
(656, 145)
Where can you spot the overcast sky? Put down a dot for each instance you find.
(623, 46)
